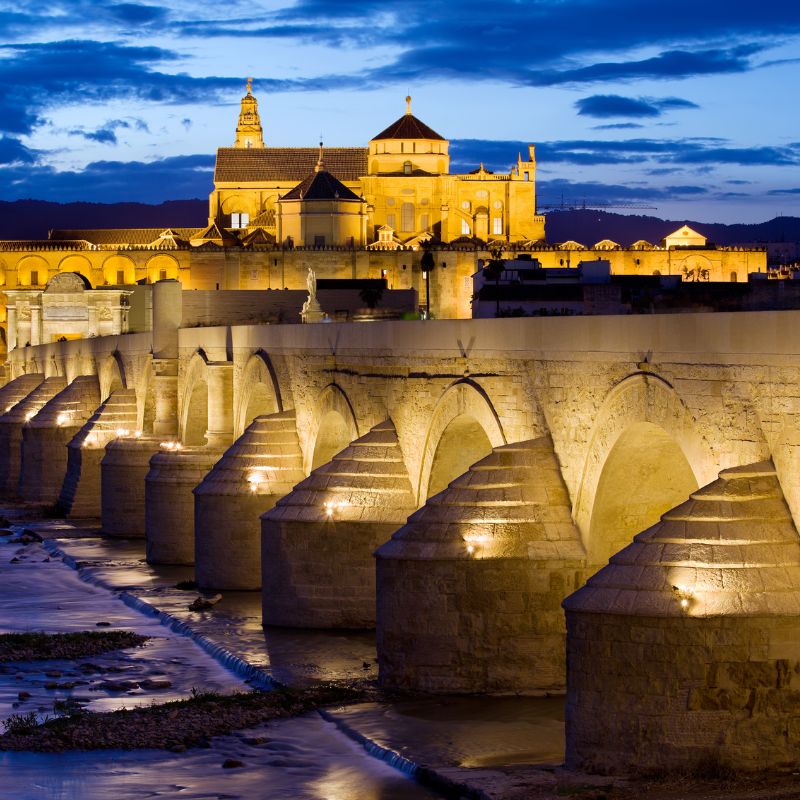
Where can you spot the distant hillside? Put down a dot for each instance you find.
(32, 219)
(589, 227)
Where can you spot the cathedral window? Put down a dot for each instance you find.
(407, 217)
(391, 221)
(465, 231)
(406, 167)
(497, 226)
(120, 277)
(240, 220)
(34, 277)
(424, 222)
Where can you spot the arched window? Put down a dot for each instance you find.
(407, 217)
(406, 167)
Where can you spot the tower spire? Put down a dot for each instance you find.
(249, 132)
(408, 104)
(320, 162)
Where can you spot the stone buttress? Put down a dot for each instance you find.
(262, 465)
(318, 542)
(469, 591)
(116, 417)
(169, 502)
(684, 651)
(46, 435)
(123, 469)
(12, 417)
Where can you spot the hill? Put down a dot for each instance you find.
(31, 219)
(588, 227)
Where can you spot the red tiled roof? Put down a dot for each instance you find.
(259, 165)
(139, 236)
(408, 127)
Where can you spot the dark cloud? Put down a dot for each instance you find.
(135, 13)
(37, 76)
(617, 126)
(12, 151)
(784, 191)
(107, 134)
(700, 153)
(112, 181)
(603, 106)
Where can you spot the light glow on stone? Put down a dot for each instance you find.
(685, 595)
(171, 445)
(331, 506)
(64, 417)
(121, 432)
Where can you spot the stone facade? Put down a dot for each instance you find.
(485, 562)
(262, 466)
(641, 392)
(683, 653)
(318, 541)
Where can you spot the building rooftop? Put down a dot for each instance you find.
(321, 185)
(259, 165)
(408, 127)
(135, 236)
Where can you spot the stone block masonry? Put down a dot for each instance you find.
(683, 654)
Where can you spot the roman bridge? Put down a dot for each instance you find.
(491, 465)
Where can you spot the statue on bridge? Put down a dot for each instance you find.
(311, 311)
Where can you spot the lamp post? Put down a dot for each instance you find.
(427, 263)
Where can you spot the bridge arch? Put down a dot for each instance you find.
(464, 428)
(336, 427)
(644, 457)
(194, 402)
(112, 375)
(260, 392)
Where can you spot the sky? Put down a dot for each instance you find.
(684, 110)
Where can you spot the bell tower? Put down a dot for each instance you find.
(249, 132)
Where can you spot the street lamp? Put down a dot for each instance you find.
(427, 263)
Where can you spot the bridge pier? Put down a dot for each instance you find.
(317, 543)
(683, 650)
(169, 502)
(80, 493)
(262, 465)
(11, 395)
(45, 436)
(123, 470)
(470, 589)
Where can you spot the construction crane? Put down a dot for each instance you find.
(584, 206)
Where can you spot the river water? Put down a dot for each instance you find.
(307, 757)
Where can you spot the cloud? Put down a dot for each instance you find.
(136, 13)
(107, 134)
(602, 106)
(617, 126)
(37, 76)
(784, 191)
(12, 151)
(657, 156)
(112, 181)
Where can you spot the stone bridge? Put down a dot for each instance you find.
(490, 465)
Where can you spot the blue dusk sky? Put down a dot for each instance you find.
(690, 106)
